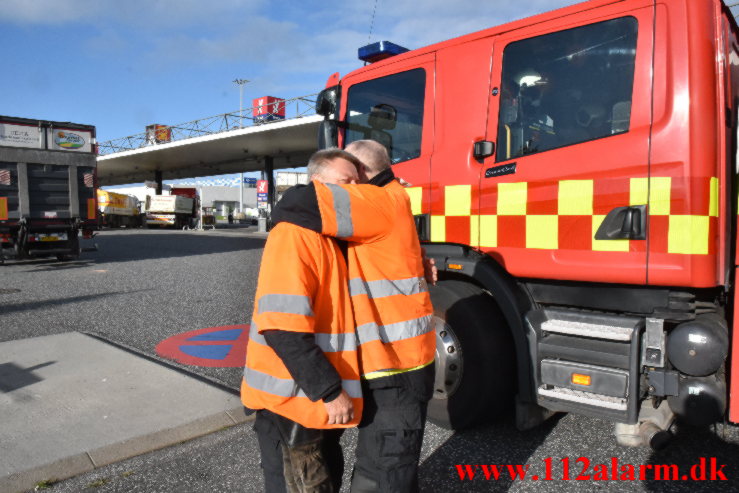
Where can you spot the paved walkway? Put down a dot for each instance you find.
(70, 403)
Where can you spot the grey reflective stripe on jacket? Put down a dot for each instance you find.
(286, 387)
(285, 303)
(329, 343)
(343, 210)
(386, 287)
(394, 332)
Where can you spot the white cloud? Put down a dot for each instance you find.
(136, 13)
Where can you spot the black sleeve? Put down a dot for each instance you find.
(307, 364)
(299, 206)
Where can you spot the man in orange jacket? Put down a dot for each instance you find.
(302, 370)
(392, 311)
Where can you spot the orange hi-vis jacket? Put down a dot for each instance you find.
(301, 288)
(392, 307)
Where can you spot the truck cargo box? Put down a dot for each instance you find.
(47, 186)
(170, 204)
(117, 203)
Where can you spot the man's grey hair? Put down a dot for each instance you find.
(373, 154)
(320, 159)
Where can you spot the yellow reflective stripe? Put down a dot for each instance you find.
(387, 373)
(474, 230)
(607, 245)
(713, 204)
(512, 199)
(688, 235)
(575, 198)
(416, 196)
(458, 200)
(659, 196)
(438, 228)
(656, 191)
(542, 232)
(638, 191)
(488, 231)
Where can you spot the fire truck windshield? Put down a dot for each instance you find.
(403, 92)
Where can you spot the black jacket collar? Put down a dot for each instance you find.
(383, 177)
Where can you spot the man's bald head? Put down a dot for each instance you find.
(372, 154)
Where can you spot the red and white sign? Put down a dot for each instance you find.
(261, 186)
(218, 347)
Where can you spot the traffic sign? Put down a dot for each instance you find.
(220, 347)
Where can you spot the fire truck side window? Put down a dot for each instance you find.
(567, 87)
(397, 120)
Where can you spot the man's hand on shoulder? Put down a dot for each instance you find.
(340, 410)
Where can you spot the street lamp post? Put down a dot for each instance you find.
(241, 83)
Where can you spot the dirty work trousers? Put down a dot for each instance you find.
(391, 432)
(320, 464)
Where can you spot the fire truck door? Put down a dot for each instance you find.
(569, 112)
(394, 105)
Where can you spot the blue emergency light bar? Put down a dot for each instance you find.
(379, 51)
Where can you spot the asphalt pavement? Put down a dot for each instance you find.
(144, 287)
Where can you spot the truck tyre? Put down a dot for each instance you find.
(475, 357)
(74, 254)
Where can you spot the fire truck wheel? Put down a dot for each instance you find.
(475, 362)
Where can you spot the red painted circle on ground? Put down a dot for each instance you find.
(220, 347)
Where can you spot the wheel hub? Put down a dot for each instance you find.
(449, 360)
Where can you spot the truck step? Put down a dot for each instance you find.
(587, 362)
(587, 329)
(585, 324)
(587, 398)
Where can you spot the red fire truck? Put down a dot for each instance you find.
(573, 175)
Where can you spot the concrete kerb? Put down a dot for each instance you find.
(77, 464)
(32, 432)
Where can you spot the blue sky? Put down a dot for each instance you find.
(120, 65)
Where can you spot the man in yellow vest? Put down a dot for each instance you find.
(392, 312)
(302, 370)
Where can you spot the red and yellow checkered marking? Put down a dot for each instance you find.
(565, 214)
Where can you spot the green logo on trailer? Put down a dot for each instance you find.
(68, 140)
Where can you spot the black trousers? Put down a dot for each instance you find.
(391, 432)
(267, 427)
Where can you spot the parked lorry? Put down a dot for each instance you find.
(574, 177)
(179, 209)
(117, 209)
(47, 187)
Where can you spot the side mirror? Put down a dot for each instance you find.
(327, 102)
(383, 117)
(328, 134)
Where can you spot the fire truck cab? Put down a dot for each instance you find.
(573, 175)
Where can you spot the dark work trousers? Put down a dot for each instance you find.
(270, 447)
(391, 432)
